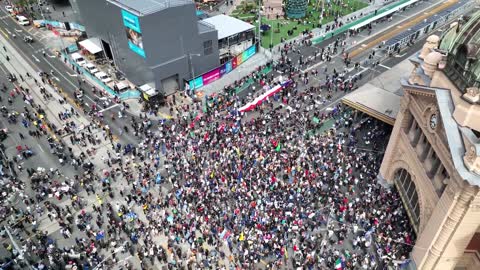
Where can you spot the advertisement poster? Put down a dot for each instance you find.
(248, 53)
(211, 76)
(134, 33)
(224, 69)
(234, 63)
(197, 83)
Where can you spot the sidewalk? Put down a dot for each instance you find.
(19, 66)
(355, 18)
(262, 57)
(240, 72)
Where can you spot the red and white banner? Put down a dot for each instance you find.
(258, 101)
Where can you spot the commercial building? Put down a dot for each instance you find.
(156, 42)
(433, 156)
(234, 35)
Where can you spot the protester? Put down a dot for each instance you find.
(277, 187)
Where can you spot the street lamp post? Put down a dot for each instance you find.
(6, 162)
(190, 64)
(17, 248)
(259, 24)
(41, 10)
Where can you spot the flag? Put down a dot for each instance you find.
(316, 120)
(100, 235)
(338, 264)
(242, 237)
(158, 180)
(279, 147)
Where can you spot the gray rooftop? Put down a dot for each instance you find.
(454, 138)
(144, 7)
(383, 93)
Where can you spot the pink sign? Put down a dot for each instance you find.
(211, 76)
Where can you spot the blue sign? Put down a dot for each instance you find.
(248, 53)
(197, 83)
(131, 21)
(134, 33)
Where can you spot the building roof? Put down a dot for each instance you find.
(462, 42)
(381, 96)
(92, 45)
(144, 7)
(228, 26)
(454, 137)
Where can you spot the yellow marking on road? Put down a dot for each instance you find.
(5, 34)
(403, 27)
(166, 116)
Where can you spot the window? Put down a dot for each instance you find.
(207, 47)
(407, 189)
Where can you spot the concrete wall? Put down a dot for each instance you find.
(169, 40)
(168, 37)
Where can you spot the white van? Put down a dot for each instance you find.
(121, 86)
(22, 20)
(91, 68)
(103, 77)
(78, 58)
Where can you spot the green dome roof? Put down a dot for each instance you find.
(462, 43)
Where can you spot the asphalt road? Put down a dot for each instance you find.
(64, 77)
(368, 44)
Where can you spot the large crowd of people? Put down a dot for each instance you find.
(285, 186)
(273, 188)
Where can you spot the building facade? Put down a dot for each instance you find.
(433, 156)
(159, 42)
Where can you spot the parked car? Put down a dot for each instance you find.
(22, 20)
(9, 8)
(78, 58)
(90, 68)
(103, 77)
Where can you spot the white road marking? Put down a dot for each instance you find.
(34, 57)
(56, 78)
(384, 66)
(111, 107)
(90, 99)
(41, 149)
(58, 72)
(4, 71)
(18, 31)
(72, 75)
(8, 31)
(360, 72)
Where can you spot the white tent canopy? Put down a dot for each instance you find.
(92, 45)
(228, 26)
(383, 14)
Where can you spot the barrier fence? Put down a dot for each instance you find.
(127, 94)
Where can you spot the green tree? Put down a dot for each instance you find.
(24, 5)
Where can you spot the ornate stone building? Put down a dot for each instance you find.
(433, 156)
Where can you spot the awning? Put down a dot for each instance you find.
(148, 89)
(389, 10)
(92, 45)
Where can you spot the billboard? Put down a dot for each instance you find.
(134, 33)
(224, 69)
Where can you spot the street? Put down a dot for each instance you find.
(290, 184)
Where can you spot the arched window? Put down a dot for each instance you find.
(408, 192)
